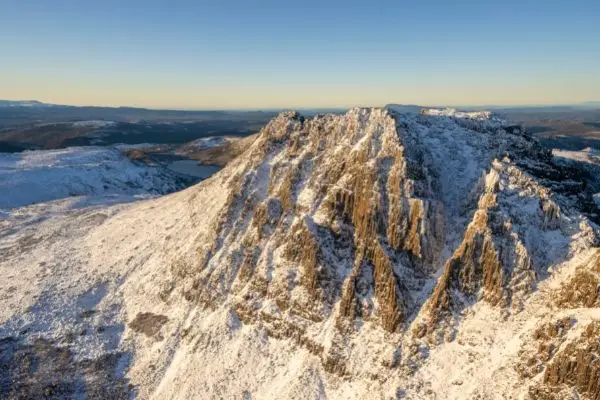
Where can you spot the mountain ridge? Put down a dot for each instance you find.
(24, 103)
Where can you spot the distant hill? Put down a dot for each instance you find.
(36, 125)
(20, 112)
(405, 108)
(591, 104)
(24, 103)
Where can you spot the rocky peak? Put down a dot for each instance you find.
(350, 217)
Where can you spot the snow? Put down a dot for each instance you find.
(61, 262)
(37, 176)
(94, 123)
(457, 155)
(452, 112)
(207, 142)
(587, 155)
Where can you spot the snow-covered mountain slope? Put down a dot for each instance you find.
(587, 163)
(206, 143)
(37, 176)
(588, 155)
(366, 255)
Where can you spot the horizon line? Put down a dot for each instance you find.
(334, 107)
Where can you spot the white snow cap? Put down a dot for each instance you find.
(453, 112)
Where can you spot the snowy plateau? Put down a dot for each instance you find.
(38, 176)
(370, 255)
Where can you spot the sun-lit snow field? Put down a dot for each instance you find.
(587, 155)
(37, 176)
(101, 279)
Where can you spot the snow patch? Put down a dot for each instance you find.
(94, 123)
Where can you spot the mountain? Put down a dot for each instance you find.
(591, 104)
(24, 103)
(405, 108)
(30, 114)
(373, 254)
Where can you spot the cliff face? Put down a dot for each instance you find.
(578, 365)
(499, 259)
(322, 205)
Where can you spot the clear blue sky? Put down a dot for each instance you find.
(219, 54)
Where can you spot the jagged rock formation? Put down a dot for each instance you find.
(347, 217)
(335, 202)
(409, 254)
(575, 366)
(578, 364)
(547, 339)
(582, 289)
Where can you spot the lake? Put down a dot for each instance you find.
(192, 168)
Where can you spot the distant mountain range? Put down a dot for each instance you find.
(594, 104)
(24, 103)
(35, 124)
(36, 104)
(589, 105)
(311, 111)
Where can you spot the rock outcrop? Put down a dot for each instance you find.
(576, 366)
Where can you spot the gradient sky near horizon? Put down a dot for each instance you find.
(272, 54)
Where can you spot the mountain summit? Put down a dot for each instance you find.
(374, 254)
